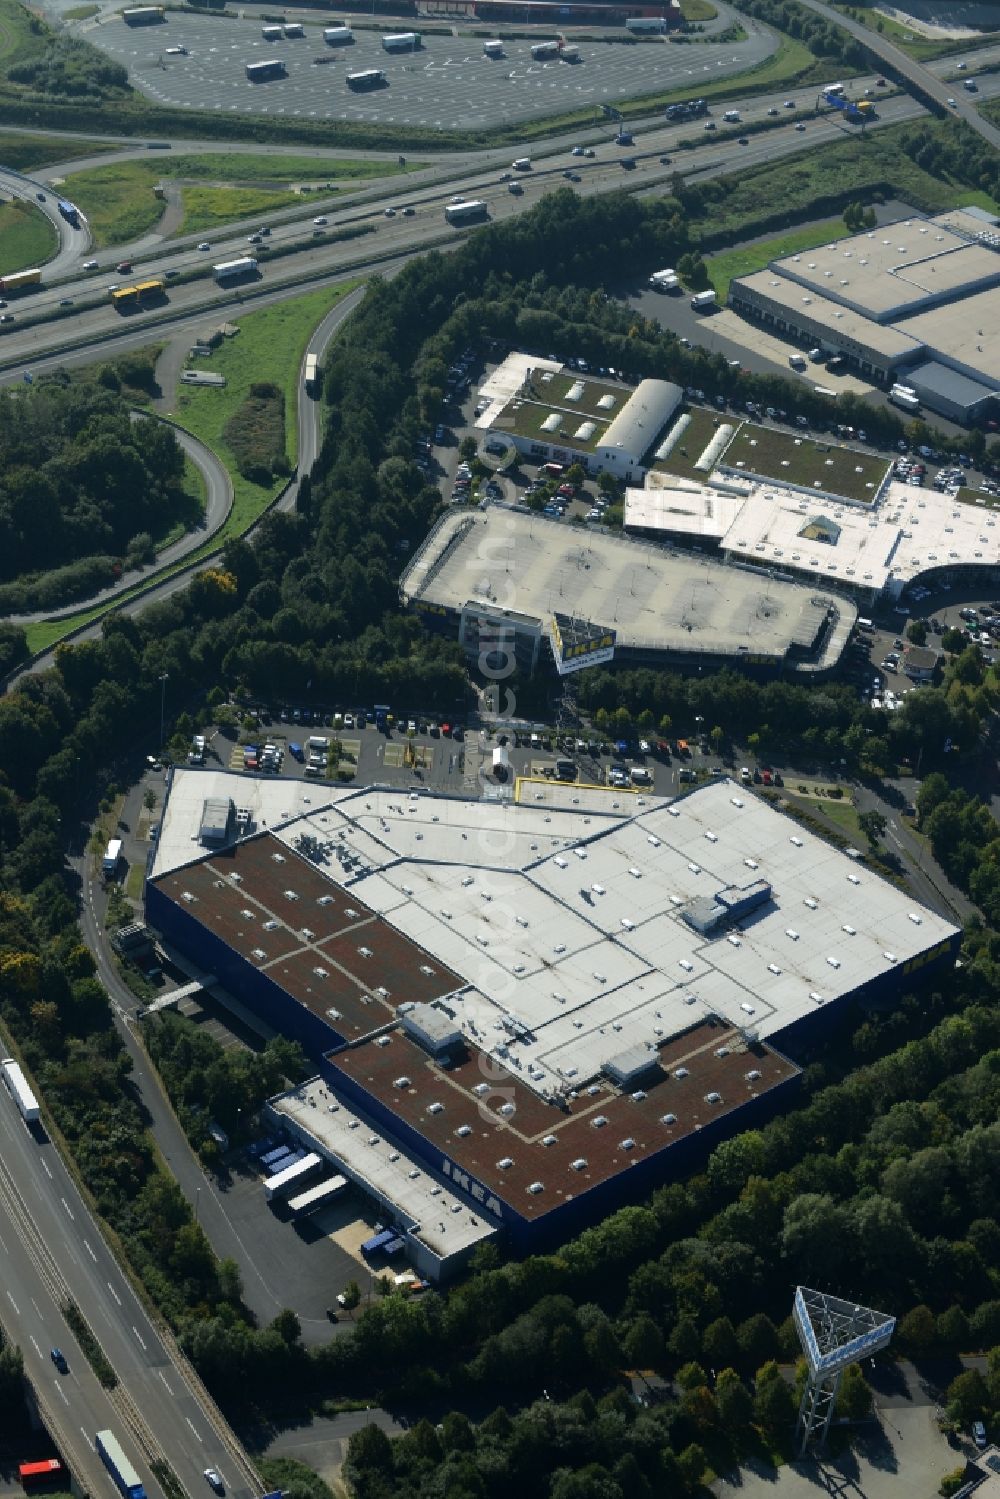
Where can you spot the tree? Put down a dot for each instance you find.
(773, 1401)
(719, 1345)
(467, 449)
(916, 631)
(954, 640)
(717, 735)
(967, 1397)
(733, 1399)
(352, 1296)
(854, 1398)
(642, 1347)
(873, 824)
(953, 1329)
(917, 1331)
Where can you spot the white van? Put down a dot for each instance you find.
(867, 625)
(732, 117)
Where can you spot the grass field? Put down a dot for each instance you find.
(870, 167)
(27, 238)
(269, 347)
(742, 260)
(207, 207)
(20, 36)
(696, 437)
(216, 188)
(806, 461)
(25, 152)
(698, 10)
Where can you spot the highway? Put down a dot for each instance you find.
(52, 1249)
(316, 254)
(913, 72)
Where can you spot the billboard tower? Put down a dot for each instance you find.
(833, 1334)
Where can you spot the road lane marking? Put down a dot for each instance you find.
(61, 1391)
(138, 1334)
(13, 1303)
(114, 1293)
(164, 1378)
(87, 1247)
(35, 1344)
(192, 1426)
(45, 1168)
(67, 1207)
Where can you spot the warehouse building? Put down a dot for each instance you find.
(523, 1016)
(519, 588)
(914, 300)
(556, 415)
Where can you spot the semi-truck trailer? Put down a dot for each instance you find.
(310, 377)
(18, 1088)
(121, 1470)
(401, 41)
(493, 48)
(906, 400)
(112, 854)
(317, 1197)
(292, 1177)
(337, 36)
(231, 270)
(664, 280)
(272, 1157)
(703, 299)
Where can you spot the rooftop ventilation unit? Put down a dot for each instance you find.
(505, 1162)
(753, 1075)
(549, 1140)
(627, 1144)
(599, 1121)
(401, 1082)
(464, 1130)
(535, 1188)
(713, 1097)
(291, 894)
(579, 1164)
(435, 1108)
(321, 973)
(668, 1119)
(680, 1073)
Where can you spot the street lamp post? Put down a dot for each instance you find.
(163, 697)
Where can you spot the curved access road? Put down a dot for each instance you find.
(309, 419)
(73, 243)
(912, 72)
(218, 503)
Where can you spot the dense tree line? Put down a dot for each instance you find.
(70, 68)
(208, 1083)
(820, 36)
(80, 477)
(958, 156)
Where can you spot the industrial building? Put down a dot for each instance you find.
(914, 300)
(525, 1014)
(514, 586)
(556, 415)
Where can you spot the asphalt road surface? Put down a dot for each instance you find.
(448, 84)
(51, 1246)
(902, 64)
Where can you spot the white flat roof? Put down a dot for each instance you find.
(566, 928)
(500, 388)
(844, 322)
(966, 332)
(654, 600)
(893, 267)
(448, 1223)
(909, 532)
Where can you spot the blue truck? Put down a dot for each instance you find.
(378, 1241)
(126, 1478)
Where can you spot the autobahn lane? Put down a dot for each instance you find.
(901, 63)
(74, 1405)
(95, 320)
(158, 1395)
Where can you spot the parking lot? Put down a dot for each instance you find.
(448, 84)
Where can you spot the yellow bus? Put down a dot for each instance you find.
(130, 296)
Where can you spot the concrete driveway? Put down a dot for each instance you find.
(902, 1456)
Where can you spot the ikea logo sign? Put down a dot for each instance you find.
(460, 1178)
(922, 959)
